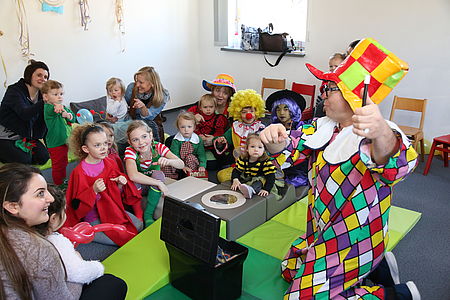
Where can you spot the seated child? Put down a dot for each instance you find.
(254, 172)
(143, 161)
(286, 108)
(59, 126)
(77, 269)
(210, 124)
(246, 108)
(113, 151)
(116, 105)
(97, 190)
(187, 145)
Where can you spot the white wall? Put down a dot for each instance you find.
(416, 31)
(162, 34)
(176, 36)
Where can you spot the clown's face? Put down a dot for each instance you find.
(283, 114)
(248, 115)
(335, 105)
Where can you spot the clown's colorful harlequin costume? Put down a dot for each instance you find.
(348, 210)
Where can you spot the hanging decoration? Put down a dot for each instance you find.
(120, 23)
(84, 11)
(3, 64)
(55, 6)
(24, 37)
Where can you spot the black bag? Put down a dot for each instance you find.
(269, 42)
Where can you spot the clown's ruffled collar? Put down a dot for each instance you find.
(195, 139)
(345, 143)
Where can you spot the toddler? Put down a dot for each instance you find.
(210, 124)
(59, 126)
(77, 269)
(187, 145)
(143, 161)
(113, 151)
(254, 172)
(97, 190)
(116, 105)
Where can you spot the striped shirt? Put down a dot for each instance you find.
(131, 153)
(247, 169)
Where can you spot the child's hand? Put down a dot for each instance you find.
(263, 193)
(221, 140)
(187, 170)
(99, 186)
(58, 108)
(208, 140)
(163, 188)
(163, 162)
(236, 184)
(120, 179)
(201, 169)
(199, 118)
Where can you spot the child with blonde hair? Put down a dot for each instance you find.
(143, 161)
(116, 105)
(254, 173)
(59, 126)
(188, 145)
(97, 190)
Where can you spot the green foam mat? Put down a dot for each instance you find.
(143, 263)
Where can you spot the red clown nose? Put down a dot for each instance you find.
(249, 116)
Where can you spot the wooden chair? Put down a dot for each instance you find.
(276, 84)
(441, 143)
(414, 133)
(306, 90)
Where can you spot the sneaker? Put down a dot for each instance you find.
(413, 290)
(393, 267)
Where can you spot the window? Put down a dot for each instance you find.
(286, 16)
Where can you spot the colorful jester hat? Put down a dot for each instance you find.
(369, 57)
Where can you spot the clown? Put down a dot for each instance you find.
(286, 107)
(355, 157)
(246, 108)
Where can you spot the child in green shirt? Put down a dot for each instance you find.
(59, 128)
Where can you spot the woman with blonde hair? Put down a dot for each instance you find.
(147, 97)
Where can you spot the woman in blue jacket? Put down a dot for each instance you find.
(22, 118)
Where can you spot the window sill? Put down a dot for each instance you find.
(293, 53)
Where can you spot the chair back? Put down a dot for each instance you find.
(409, 104)
(309, 91)
(275, 84)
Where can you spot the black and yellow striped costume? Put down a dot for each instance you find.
(246, 171)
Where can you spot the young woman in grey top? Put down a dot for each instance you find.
(30, 266)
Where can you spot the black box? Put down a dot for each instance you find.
(192, 236)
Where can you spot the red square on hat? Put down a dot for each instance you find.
(371, 58)
(373, 87)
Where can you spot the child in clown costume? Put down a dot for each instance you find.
(246, 108)
(355, 157)
(286, 107)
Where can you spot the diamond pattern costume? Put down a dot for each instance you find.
(348, 209)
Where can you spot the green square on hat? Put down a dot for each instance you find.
(392, 80)
(354, 75)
